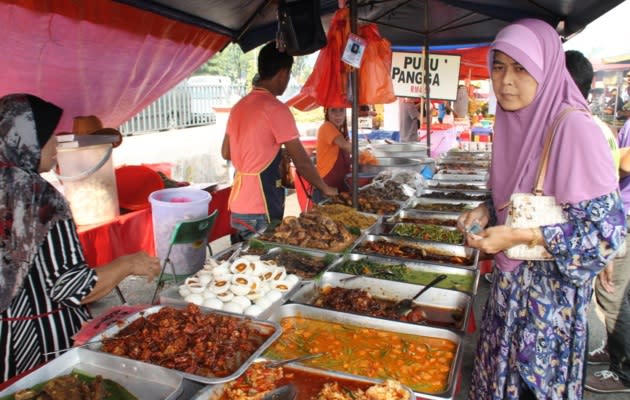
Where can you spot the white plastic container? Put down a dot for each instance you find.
(170, 206)
(89, 183)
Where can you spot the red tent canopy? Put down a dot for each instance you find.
(97, 57)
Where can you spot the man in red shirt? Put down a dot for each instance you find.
(259, 124)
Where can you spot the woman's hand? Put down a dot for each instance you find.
(142, 264)
(499, 238)
(111, 274)
(479, 215)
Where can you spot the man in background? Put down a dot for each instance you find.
(258, 125)
(611, 286)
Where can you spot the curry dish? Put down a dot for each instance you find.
(422, 363)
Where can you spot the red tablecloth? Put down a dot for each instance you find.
(129, 233)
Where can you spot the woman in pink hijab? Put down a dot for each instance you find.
(533, 333)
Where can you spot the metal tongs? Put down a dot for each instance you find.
(276, 364)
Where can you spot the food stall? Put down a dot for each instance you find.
(387, 242)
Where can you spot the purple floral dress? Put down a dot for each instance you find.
(533, 332)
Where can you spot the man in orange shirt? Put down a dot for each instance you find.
(259, 124)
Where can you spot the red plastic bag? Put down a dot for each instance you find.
(328, 82)
(375, 82)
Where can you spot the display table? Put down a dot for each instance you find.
(126, 234)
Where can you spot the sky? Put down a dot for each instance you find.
(607, 36)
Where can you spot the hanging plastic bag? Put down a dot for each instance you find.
(326, 86)
(375, 83)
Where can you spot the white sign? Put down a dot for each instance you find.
(353, 53)
(409, 78)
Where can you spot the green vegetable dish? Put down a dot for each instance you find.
(76, 385)
(435, 233)
(463, 282)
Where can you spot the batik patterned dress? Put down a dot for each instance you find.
(533, 331)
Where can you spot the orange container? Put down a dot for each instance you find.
(135, 183)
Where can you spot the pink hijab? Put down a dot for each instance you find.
(580, 164)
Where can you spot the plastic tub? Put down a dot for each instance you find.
(170, 206)
(87, 175)
(135, 183)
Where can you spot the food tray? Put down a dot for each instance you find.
(419, 217)
(262, 326)
(448, 175)
(433, 184)
(216, 391)
(469, 255)
(466, 155)
(326, 258)
(145, 381)
(448, 163)
(455, 194)
(303, 311)
(172, 297)
(425, 204)
(392, 232)
(448, 301)
(415, 272)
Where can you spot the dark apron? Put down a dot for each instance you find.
(336, 177)
(274, 193)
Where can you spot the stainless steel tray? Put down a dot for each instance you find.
(263, 326)
(303, 311)
(145, 381)
(466, 155)
(455, 194)
(419, 217)
(451, 302)
(468, 254)
(416, 272)
(443, 163)
(446, 175)
(326, 258)
(451, 185)
(425, 204)
(393, 227)
(171, 297)
(216, 391)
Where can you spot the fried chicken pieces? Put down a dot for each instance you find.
(313, 230)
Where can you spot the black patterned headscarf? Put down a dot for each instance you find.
(29, 205)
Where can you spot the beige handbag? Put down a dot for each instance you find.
(532, 210)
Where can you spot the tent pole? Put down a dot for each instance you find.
(427, 85)
(354, 81)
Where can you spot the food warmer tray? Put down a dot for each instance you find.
(418, 217)
(389, 290)
(466, 155)
(327, 258)
(419, 202)
(145, 381)
(171, 297)
(399, 205)
(388, 229)
(478, 163)
(265, 326)
(303, 311)
(473, 195)
(433, 184)
(456, 276)
(444, 175)
(470, 254)
(215, 392)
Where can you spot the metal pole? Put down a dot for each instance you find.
(354, 81)
(427, 85)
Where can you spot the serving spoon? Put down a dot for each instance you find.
(403, 307)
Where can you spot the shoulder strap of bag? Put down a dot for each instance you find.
(544, 160)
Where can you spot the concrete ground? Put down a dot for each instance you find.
(195, 155)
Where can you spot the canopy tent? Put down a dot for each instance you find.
(112, 58)
(97, 57)
(253, 22)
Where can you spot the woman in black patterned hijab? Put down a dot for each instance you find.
(44, 279)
